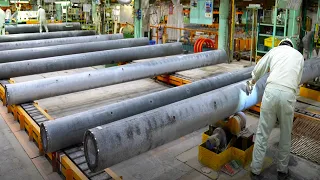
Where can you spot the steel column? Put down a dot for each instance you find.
(34, 28)
(49, 35)
(33, 90)
(293, 26)
(113, 143)
(69, 130)
(223, 25)
(57, 41)
(68, 49)
(138, 21)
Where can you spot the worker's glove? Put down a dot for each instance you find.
(249, 87)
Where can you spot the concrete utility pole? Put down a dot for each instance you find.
(49, 35)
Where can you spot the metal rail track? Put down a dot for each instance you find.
(305, 141)
(305, 136)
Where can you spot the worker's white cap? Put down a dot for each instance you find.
(286, 41)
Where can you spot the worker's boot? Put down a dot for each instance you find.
(254, 176)
(283, 176)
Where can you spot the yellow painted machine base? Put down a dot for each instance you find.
(216, 161)
(310, 93)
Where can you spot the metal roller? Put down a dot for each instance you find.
(60, 50)
(34, 28)
(49, 35)
(69, 130)
(115, 142)
(57, 41)
(32, 90)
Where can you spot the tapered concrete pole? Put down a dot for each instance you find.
(28, 91)
(35, 28)
(69, 130)
(60, 50)
(57, 41)
(115, 142)
(49, 35)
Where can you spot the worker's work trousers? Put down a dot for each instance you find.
(279, 104)
(2, 30)
(43, 23)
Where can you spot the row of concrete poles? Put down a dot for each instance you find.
(28, 91)
(34, 28)
(122, 51)
(135, 125)
(69, 130)
(57, 41)
(121, 140)
(60, 50)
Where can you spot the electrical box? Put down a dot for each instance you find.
(201, 11)
(4, 3)
(289, 4)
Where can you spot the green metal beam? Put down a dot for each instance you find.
(293, 27)
(137, 21)
(223, 25)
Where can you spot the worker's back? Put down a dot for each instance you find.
(286, 66)
(42, 14)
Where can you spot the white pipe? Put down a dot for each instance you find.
(124, 1)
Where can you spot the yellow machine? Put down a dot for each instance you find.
(227, 141)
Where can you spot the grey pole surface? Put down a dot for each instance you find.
(115, 142)
(69, 130)
(28, 91)
(49, 35)
(60, 50)
(58, 63)
(35, 28)
(57, 41)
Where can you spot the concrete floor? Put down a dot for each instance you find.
(175, 160)
(14, 162)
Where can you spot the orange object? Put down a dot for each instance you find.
(243, 45)
(237, 44)
(199, 44)
(248, 42)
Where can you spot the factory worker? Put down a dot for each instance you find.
(42, 19)
(8, 15)
(285, 65)
(2, 22)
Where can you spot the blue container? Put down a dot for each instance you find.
(152, 42)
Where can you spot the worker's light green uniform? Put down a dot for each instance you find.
(285, 65)
(42, 19)
(2, 22)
